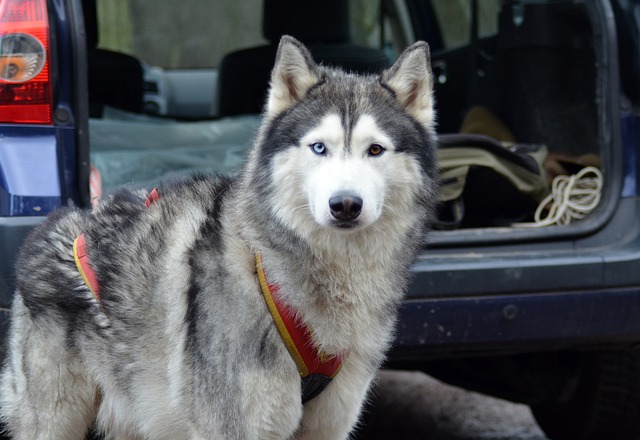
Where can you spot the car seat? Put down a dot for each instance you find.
(115, 79)
(324, 27)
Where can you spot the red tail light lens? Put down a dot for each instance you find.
(25, 83)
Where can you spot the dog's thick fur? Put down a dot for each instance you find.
(181, 344)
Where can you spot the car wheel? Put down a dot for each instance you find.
(602, 401)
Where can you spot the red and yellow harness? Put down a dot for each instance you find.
(316, 368)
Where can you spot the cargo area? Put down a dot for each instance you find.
(518, 87)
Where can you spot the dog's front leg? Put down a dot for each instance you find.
(333, 414)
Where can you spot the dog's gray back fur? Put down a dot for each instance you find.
(181, 344)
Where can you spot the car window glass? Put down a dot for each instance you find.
(197, 33)
(455, 16)
(184, 34)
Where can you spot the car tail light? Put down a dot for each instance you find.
(25, 80)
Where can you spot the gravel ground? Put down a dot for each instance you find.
(412, 405)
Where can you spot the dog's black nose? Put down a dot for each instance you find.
(345, 207)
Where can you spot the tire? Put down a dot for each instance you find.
(604, 402)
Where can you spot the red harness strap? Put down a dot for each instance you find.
(153, 196)
(84, 265)
(316, 368)
(82, 258)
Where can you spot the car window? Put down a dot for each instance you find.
(197, 33)
(455, 18)
(184, 34)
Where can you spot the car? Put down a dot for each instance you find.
(528, 288)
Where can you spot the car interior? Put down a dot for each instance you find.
(518, 93)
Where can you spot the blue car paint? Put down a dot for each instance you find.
(37, 169)
(29, 172)
(630, 129)
(430, 328)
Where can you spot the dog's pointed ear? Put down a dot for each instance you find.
(411, 80)
(294, 73)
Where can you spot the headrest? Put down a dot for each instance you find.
(324, 21)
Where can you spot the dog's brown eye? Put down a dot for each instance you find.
(376, 150)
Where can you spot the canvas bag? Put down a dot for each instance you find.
(487, 183)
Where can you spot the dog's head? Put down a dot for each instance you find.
(344, 151)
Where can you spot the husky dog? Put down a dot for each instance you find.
(168, 330)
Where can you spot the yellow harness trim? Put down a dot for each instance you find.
(282, 328)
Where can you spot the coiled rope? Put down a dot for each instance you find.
(571, 198)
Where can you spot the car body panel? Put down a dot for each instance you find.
(468, 326)
(29, 174)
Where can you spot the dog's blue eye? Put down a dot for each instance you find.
(318, 148)
(376, 150)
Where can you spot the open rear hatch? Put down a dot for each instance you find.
(535, 198)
